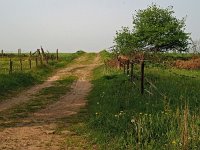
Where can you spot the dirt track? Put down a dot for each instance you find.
(39, 133)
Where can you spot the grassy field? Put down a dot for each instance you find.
(167, 116)
(18, 80)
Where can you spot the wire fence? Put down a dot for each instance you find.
(10, 66)
(10, 63)
(128, 68)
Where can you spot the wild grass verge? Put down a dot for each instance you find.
(163, 118)
(45, 97)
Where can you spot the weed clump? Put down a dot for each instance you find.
(15, 81)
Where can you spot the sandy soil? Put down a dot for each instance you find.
(39, 133)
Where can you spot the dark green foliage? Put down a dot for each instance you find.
(154, 28)
(158, 27)
(124, 40)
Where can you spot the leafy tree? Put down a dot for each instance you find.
(154, 28)
(124, 41)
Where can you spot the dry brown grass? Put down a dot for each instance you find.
(194, 63)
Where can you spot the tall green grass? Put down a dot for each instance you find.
(15, 81)
(165, 117)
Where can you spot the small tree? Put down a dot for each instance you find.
(154, 28)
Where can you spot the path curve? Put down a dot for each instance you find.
(27, 94)
(41, 136)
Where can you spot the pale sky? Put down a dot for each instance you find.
(72, 25)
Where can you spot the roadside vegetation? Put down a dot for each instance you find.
(44, 98)
(165, 117)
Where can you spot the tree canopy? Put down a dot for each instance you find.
(124, 40)
(154, 28)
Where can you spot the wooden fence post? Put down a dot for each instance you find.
(131, 71)
(128, 64)
(40, 56)
(11, 67)
(41, 61)
(30, 63)
(2, 52)
(36, 61)
(57, 54)
(20, 61)
(142, 77)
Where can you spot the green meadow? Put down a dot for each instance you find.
(167, 116)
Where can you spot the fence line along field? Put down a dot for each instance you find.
(19, 71)
(17, 62)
